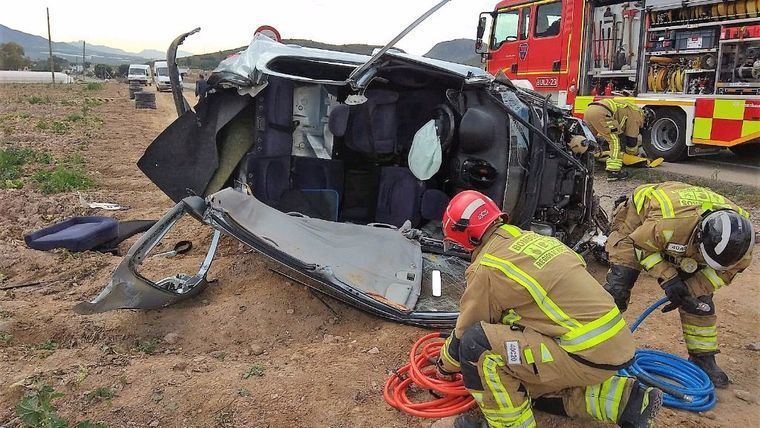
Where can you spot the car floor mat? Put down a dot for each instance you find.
(126, 229)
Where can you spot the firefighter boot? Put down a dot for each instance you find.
(620, 281)
(707, 363)
(642, 407)
(616, 175)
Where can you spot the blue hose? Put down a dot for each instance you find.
(685, 385)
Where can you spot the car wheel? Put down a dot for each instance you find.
(747, 150)
(666, 138)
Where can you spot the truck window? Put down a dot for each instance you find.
(525, 23)
(162, 72)
(505, 28)
(548, 19)
(137, 71)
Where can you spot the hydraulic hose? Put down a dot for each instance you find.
(450, 397)
(685, 385)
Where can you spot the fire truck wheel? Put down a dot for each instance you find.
(747, 150)
(667, 137)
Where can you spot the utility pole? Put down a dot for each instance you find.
(50, 47)
(82, 58)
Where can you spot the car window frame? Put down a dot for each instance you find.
(495, 46)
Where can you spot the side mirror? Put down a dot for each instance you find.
(483, 25)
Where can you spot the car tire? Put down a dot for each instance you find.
(747, 150)
(666, 138)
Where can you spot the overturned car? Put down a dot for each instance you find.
(338, 168)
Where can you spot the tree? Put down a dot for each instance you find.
(123, 70)
(103, 71)
(44, 64)
(12, 56)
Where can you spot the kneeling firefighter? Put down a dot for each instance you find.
(616, 120)
(535, 328)
(693, 241)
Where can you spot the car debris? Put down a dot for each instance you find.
(295, 151)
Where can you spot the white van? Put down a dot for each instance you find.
(162, 76)
(140, 73)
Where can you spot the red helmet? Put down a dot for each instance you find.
(467, 218)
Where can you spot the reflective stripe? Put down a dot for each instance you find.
(641, 196)
(699, 330)
(613, 397)
(490, 365)
(512, 230)
(742, 212)
(546, 356)
(666, 205)
(547, 306)
(470, 209)
(712, 276)
(529, 356)
(593, 333)
(668, 235)
(508, 414)
(445, 352)
(651, 260)
(693, 344)
(592, 402)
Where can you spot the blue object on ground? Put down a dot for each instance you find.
(685, 385)
(75, 234)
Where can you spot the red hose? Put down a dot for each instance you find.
(420, 373)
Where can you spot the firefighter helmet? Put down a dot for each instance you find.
(725, 237)
(467, 218)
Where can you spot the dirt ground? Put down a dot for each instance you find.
(254, 349)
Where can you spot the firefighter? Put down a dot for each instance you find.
(535, 328)
(615, 120)
(693, 241)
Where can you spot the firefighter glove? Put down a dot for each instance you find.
(443, 374)
(680, 297)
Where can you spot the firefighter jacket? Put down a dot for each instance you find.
(662, 222)
(625, 118)
(523, 279)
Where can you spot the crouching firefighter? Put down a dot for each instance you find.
(535, 329)
(693, 241)
(615, 120)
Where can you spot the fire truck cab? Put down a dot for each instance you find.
(695, 63)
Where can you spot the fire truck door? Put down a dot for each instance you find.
(544, 54)
(503, 44)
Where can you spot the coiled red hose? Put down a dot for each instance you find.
(452, 397)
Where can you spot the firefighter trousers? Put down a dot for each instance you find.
(602, 124)
(700, 330)
(508, 371)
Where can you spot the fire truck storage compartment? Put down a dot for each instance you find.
(662, 41)
(698, 38)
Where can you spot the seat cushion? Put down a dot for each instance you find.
(399, 197)
(269, 178)
(314, 173)
(373, 126)
(434, 203)
(75, 234)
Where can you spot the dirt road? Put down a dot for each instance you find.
(254, 349)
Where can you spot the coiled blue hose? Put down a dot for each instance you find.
(685, 385)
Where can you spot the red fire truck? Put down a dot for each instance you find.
(695, 63)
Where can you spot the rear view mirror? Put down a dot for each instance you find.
(484, 23)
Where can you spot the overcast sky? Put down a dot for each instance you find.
(134, 25)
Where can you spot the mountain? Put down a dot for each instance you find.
(36, 47)
(461, 51)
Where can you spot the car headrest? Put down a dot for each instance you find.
(434, 203)
(338, 120)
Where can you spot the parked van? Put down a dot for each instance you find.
(162, 76)
(140, 73)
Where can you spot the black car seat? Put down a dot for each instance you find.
(269, 159)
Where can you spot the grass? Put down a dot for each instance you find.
(59, 127)
(36, 410)
(147, 346)
(41, 125)
(38, 100)
(47, 345)
(74, 117)
(94, 86)
(5, 338)
(12, 161)
(102, 393)
(255, 370)
(66, 176)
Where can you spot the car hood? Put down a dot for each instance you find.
(254, 61)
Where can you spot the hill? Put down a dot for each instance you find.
(461, 51)
(36, 48)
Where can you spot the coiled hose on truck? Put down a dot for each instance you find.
(685, 385)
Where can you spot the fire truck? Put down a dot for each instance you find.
(695, 63)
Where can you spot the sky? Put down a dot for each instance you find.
(121, 24)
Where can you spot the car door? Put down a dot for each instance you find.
(504, 43)
(546, 46)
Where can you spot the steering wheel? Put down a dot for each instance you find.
(445, 125)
